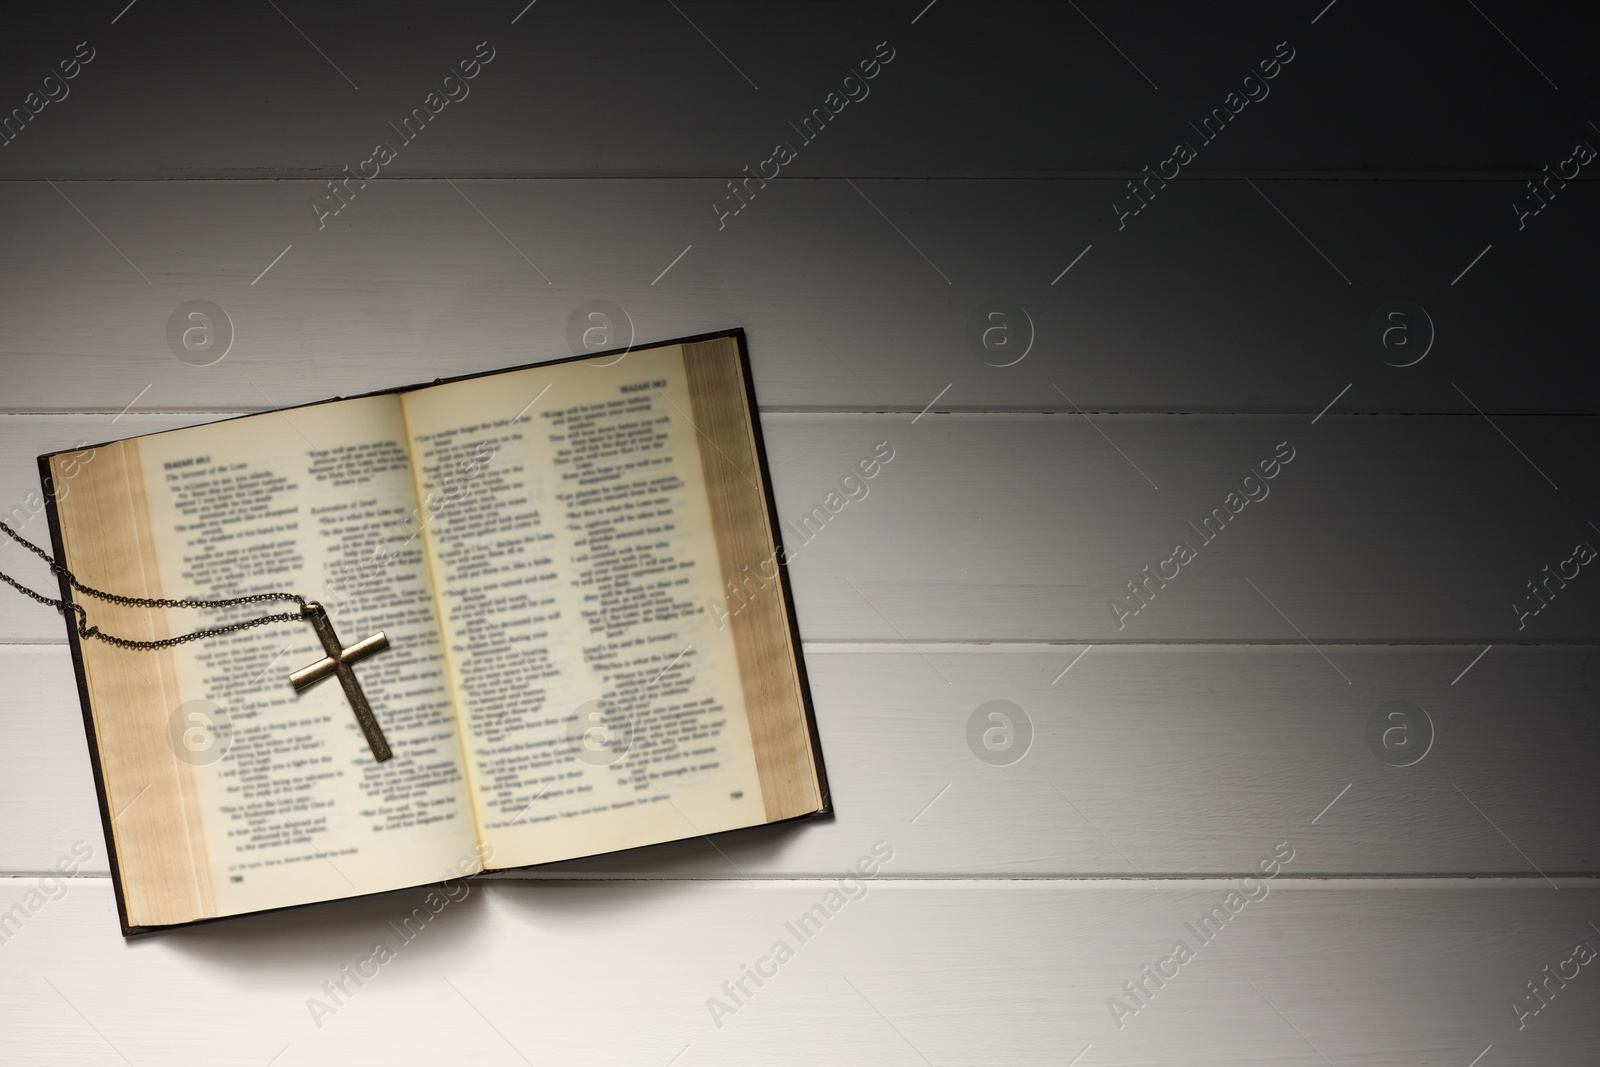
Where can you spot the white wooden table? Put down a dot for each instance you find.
(1144, 365)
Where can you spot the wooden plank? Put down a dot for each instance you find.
(1007, 527)
(1135, 760)
(1029, 527)
(49, 773)
(945, 972)
(708, 88)
(869, 296)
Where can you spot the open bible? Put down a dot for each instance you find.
(592, 645)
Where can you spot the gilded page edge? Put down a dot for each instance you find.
(774, 690)
(152, 817)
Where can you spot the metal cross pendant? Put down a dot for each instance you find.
(338, 663)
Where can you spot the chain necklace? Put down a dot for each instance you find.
(336, 663)
(81, 617)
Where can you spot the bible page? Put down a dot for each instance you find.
(600, 699)
(293, 807)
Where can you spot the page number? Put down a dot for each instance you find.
(737, 794)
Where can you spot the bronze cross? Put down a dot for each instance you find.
(338, 663)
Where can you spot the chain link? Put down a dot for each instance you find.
(81, 617)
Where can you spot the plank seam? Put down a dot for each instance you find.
(877, 646)
(1467, 177)
(1491, 880)
(963, 412)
